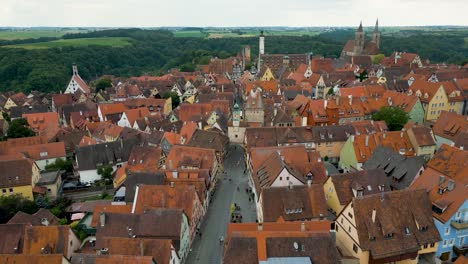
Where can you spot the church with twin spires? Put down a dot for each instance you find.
(359, 46)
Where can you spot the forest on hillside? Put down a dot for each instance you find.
(156, 51)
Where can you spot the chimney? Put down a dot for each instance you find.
(275, 111)
(142, 248)
(81, 113)
(102, 219)
(260, 227)
(170, 164)
(401, 134)
(309, 183)
(384, 135)
(325, 103)
(389, 100)
(337, 100)
(172, 184)
(367, 140)
(302, 227)
(441, 179)
(350, 97)
(374, 213)
(461, 148)
(372, 122)
(451, 185)
(44, 221)
(222, 88)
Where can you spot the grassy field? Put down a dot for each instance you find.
(112, 42)
(27, 34)
(189, 34)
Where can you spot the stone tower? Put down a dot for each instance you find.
(75, 69)
(376, 34)
(236, 115)
(359, 39)
(261, 43)
(261, 50)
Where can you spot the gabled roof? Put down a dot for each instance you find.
(165, 196)
(47, 240)
(368, 182)
(137, 113)
(114, 108)
(158, 249)
(449, 160)
(209, 140)
(137, 178)
(158, 223)
(16, 172)
(117, 209)
(12, 238)
(185, 156)
(77, 78)
(36, 219)
(400, 170)
(42, 151)
(255, 243)
(449, 125)
(92, 156)
(404, 223)
(297, 203)
(18, 111)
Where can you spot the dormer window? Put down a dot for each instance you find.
(407, 231)
(389, 235)
(423, 228)
(426, 95)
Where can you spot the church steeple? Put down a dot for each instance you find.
(376, 34)
(360, 27)
(359, 40)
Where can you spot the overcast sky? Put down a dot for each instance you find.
(155, 13)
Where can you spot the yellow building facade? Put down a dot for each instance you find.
(331, 197)
(267, 75)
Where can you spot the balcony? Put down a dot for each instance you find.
(459, 224)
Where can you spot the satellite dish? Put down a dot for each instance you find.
(296, 246)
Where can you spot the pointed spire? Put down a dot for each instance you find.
(360, 27)
(376, 29)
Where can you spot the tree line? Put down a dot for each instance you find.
(156, 51)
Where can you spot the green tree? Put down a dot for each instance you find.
(175, 98)
(19, 128)
(11, 204)
(61, 164)
(395, 117)
(377, 58)
(6, 117)
(103, 84)
(58, 206)
(362, 76)
(188, 67)
(106, 173)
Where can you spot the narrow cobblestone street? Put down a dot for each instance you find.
(231, 188)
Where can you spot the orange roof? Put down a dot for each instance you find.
(53, 239)
(449, 160)
(43, 151)
(165, 196)
(187, 130)
(449, 125)
(120, 209)
(32, 259)
(172, 138)
(427, 89)
(114, 108)
(136, 114)
(81, 83)
(40, 121)
(450, 200)
(398, 141)
(123, 259)
(11, 143)
(187, 111)
(190, 157)
(266, 86)
(85, 141)
(279, 229)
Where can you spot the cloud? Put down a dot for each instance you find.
(154, 13)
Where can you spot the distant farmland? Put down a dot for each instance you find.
(80, 42)
(28, 34)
